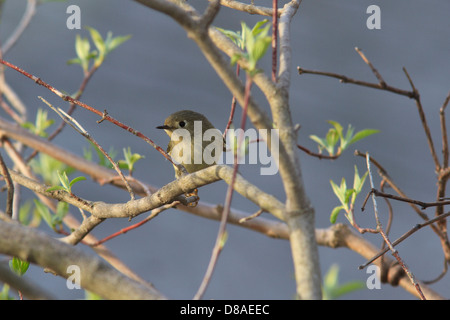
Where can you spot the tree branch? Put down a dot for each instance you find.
(97, 276)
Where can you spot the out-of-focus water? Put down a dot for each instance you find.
(159, 71)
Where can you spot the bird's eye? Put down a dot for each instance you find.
(182, 124)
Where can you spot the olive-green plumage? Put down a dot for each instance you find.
(185, 119)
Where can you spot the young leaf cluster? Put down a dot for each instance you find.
(332, 289)
(66, 184)
(130, 160)
(336, 134)
(41, 124)
(254, 42)
(103, 46)
(347, 196)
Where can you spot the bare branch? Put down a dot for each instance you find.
(284, 74)
(249, 8)
(30, 10)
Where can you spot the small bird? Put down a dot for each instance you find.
(190, 143)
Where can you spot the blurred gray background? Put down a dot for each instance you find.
(159, 71)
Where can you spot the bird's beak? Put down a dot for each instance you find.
(165, 127)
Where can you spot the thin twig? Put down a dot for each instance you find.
(87, 76)
(152, 215)
(424, 122)
(9, 183)
(422, 204)
(445, 148)
(250, 217)
(318, 155)
(383, 269)
(345, 79)
(386, 239)
(375, 71)
(30, 10)
(274, 39)
(407, 234)
(233, 107)
(383, 173)
(78, 128)
(249, 8)
(104, 115)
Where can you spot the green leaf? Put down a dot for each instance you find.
(235, 37)
(82, 49)
(262, 43)
(337, 126)
(24, 213)
(331, 287)
(74, 61)
(111, 43)
(88, 295)
(348, 193)
(321, 142)
(75, 180)
(18, 266)
(340, 191)
(358, 183)
(44, 212)
(363, 134)
(62, 209)
(331, 139)
(359, 186)
(348, 287)
(64, 180)
(48, 167)
(99, 44)
(345, 141)
(331, 279)
(42, 123)
(4, 294)
(335, 213)
(235, 58)
(254, 42)
(349, 133)
(54, 188)
(258, 28)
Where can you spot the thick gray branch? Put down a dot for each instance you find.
(96, 275)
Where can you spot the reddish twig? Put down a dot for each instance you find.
(152, 215)
(319, 155)
(104, 115)
(233, 108)
(226, 209)
(87, 76)
(274, 39)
